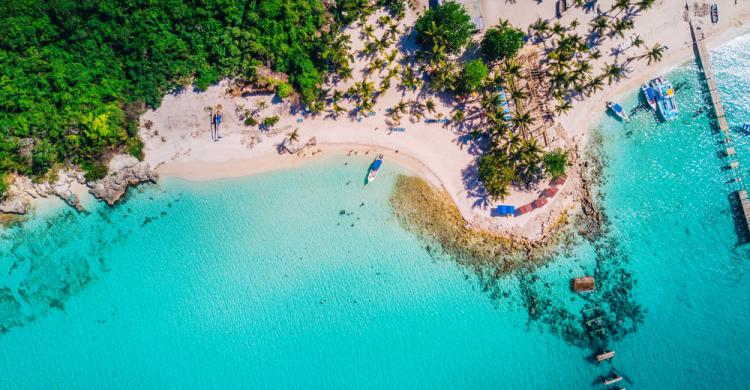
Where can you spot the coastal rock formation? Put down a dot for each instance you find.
(14, 203)
(62, 188)
(124, 171)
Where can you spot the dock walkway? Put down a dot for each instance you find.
(729, 152)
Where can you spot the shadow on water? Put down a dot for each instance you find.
(738, 219)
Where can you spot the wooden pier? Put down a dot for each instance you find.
(705, 64)
(702, 53)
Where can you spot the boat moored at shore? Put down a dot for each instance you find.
(374, 168)
(665, 98)
(649, 95)
(617, 110)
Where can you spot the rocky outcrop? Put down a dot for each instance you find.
(124, 171)
(62, 188)
(14, 203)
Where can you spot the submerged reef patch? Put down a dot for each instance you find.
(43, 265)
(587, 321)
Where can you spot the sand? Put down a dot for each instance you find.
(177, 138)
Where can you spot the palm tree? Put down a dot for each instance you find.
(621, 5)
(513, 69)
(596, 84)
(344, 73)
(540, 28)
(383, 20)
(574, 24)
(619, 27)
(637, 41)
(384, 85)
(558, 29)
(559, 79)
(613, 72)
(336, 110)
(516, 93)
(595, 54)
(294, 136)
(458, 116)
(368, 32)
(400, 106)
(529, 164)
(409, 79)
(337, 95)
(644, 5)
(430, 105)
(563, 107)
(599, 25)
(654, 54)
(523, 121)
(394, 30)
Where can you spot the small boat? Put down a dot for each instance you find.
(605, 355)
(665, 98)
(374, 168)
(714, 13)
(613, 379)
(649, 95)
(617, 109)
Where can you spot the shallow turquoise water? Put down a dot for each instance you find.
(263, 282)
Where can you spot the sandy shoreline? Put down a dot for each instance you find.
(177, 139)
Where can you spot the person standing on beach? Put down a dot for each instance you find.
(217, 121)
(213, 137)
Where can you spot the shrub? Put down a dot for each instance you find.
(3, 185)
(447, 25)
(472, 76)
(94, 170)
(250, 121)
(503, 41)
(135, 147)
(556, 162)
(271, 121)
(284, 90)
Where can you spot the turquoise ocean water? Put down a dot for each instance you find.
(303, 279)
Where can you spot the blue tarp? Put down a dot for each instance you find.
(377, 164)
(504, 210)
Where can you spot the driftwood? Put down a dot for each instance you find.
(288, 146)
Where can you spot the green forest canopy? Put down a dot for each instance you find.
(75, 74)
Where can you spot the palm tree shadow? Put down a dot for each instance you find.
(474, 187)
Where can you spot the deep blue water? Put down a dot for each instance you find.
(263, 282)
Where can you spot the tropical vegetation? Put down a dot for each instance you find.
(75, 75)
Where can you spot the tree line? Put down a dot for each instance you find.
(75, 75)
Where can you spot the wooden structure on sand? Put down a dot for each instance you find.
(535, 84)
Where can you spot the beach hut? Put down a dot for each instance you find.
(505, 210)
(583, 284)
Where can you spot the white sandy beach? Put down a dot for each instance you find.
(178, 141)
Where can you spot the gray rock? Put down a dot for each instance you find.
(124, 171)
(14, 204)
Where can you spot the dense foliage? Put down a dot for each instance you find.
(472, 76)
(75, 75)
(447, 26)
(3, 185)
(556, 162)
(500, 42)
